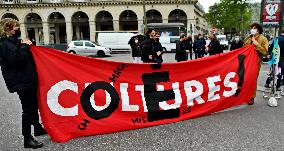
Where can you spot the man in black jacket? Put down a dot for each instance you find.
(236, 43)
(181, 49)
(19, 72)
(148, 46)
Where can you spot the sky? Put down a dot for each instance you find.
(207, 3)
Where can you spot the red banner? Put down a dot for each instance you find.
(81, 96)
(271, 13)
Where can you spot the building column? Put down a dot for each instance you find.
(116, 25)
(36, 36)
(45, 28)
(92, 25)
(23, 30)
(140, 26)
(77, 32)
(69, 31)
(165, 20)
(57, 36)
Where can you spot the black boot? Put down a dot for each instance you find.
(40, 131)
(30, 142)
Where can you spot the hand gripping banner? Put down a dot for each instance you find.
(81, 96)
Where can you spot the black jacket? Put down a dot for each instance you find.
(214, 47)
(136, 47)
(236, 45)
(181, 54)
(158, 47)
(147, 49)
(17, 65)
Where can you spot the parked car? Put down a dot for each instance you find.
(87, 48)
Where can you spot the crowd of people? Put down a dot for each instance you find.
(148, 49)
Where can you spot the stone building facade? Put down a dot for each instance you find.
(60, 21)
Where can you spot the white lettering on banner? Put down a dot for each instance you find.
(53, 102)
(58, 88)
(232, 85)
(141, 89)
(213, 88)
(164, 105)
(193, 95)
(125, 99)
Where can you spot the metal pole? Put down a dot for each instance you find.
(144, 17)
(281, 17)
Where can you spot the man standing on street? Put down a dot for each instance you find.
(236, 43)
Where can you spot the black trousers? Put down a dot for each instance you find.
(30, 115)
(198, 53)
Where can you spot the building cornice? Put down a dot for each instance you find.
(86, 4)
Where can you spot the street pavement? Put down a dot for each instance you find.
(246, 128)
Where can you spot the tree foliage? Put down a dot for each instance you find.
(230, 14)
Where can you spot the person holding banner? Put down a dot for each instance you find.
(261, 46)
(19, 72)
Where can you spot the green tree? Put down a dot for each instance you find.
(230, 14)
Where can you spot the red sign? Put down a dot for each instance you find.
(81, 96)
(271, 13)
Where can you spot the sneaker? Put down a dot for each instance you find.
(251, 101)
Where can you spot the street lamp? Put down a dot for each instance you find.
(242, 4)
(144, 17)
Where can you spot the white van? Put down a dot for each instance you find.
(223, 41)
(169, 43)
(115, 41)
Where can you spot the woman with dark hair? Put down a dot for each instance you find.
(261, 46)
(158, 49)
(148, 46)
(19, 72)
(214, 46)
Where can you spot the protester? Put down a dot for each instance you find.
(236, 43)
(188, 45)
(148, 46)
(181, 49)
(203, 52)
(261, 46)
(197, 47)
(214, 46)
(134, 43)
(158, 49)
(19, 72)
